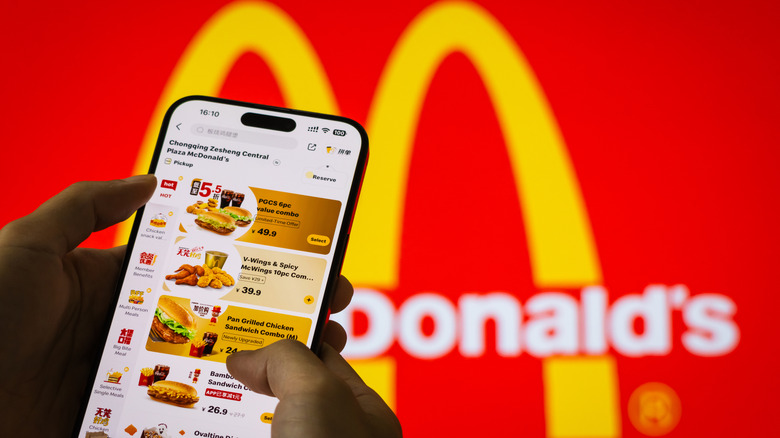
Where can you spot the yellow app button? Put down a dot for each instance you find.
(319, 240)
(308, 299)
(267, 417)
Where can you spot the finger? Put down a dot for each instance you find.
(342, 369)
(313, 401)
(379, 415)
(283, 369)
(99, 266)
(335, 335)
(342, 296)
(64, 221)
(99, 269)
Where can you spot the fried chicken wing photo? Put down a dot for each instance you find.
(185, 267)
(205, 280)
(179, 275)
(192, 280)
(216, 284)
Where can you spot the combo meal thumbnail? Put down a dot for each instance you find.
(221, 220)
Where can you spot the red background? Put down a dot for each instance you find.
(669, 111)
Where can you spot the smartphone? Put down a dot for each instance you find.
(240, 246)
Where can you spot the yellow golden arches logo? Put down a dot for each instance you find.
(580, 395)
(234, 30)
(561, 246)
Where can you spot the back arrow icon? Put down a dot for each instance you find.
(177, 126)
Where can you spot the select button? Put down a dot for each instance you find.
(319, 240)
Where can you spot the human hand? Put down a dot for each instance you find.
(56, 298)
(318, 397)
(55, 301)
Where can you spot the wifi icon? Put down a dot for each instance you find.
(325, 130)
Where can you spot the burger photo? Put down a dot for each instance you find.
(242, 216)
(217, 222)
(172, 323)
(176, 393)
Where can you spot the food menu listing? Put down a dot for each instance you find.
(217, 267)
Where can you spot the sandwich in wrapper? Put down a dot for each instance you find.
(176, 393)
(217, 222)
(242, 216)
(172, 323)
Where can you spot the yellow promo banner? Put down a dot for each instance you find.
(214, 339)
(287, 220)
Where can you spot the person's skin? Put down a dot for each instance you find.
(318, 398)
(55, 300)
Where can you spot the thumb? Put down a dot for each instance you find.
(379, 416)
(290, 371)
(64, 221)
(284, 368)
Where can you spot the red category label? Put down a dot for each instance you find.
(168, 184)
(218, 393)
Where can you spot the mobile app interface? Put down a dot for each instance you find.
(231, 254)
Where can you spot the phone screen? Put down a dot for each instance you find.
(238, 247)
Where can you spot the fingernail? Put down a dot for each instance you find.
(139, 178)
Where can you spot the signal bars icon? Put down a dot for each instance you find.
(317, 129)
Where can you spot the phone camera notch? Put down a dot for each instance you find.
(265, 121)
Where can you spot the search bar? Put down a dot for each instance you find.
(244, 136)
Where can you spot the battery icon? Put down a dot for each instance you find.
(339, 132)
